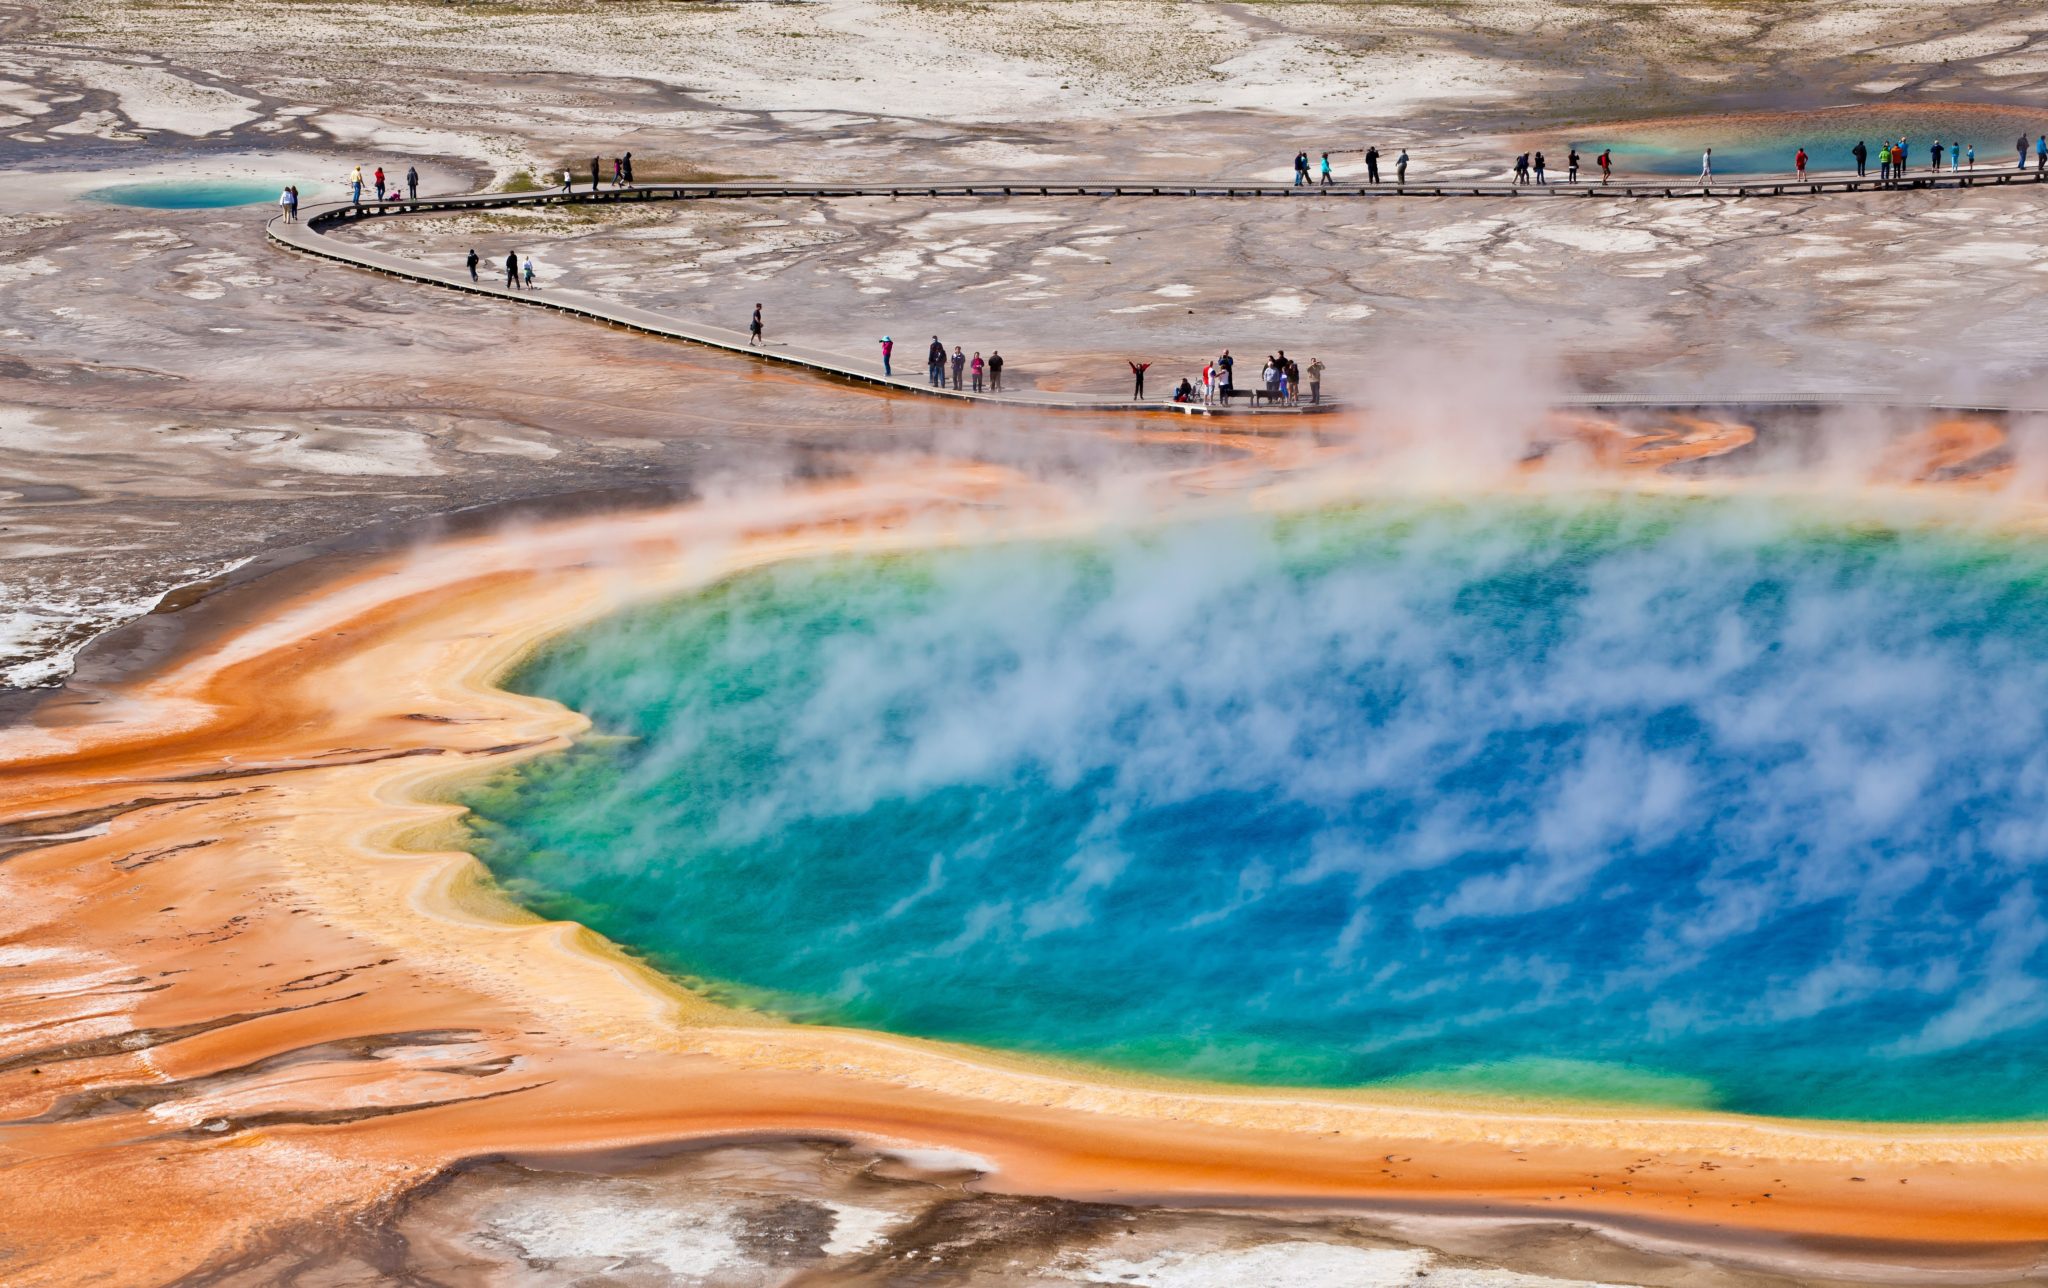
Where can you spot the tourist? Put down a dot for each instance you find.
(1955, 156)
(2041, 151)
(1315, 382)
(935, 363)
(959, 366)
(754, 328)
(412, 183)
(1884, 164)
(473, 262)
(293, 211)
(1606, 165)
(526, 271)
(1209, 383)
(1138, 370)
(380, 183)
(1186, 392)
(284, 204)
(1229, 365)
(593, 173)
(355, 183)
(1898, 160)
(2023, 151)
(995, 371)
(1280, 386)
(1522, 168)
(1539, 169)
(1571, 165)
(512, 271)
(1401, 167)
(976, 366)
(1973, 156)
(1707, 166)
(888, 348)
(1269, 376)
(1372, 164)
(1300, 169)
(1799, 163)
(1936, 154)
(1862, 155)
(568, 185)
(627, 162)
(1328, 178)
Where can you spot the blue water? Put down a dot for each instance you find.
(191, 194)
(1685, 803)
(1766, 142)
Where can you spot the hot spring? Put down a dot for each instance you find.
(1765, 142)
(1703, 803)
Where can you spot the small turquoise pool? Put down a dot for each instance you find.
(1766, 142)
(192, 194)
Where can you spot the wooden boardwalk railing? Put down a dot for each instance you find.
(310, 235)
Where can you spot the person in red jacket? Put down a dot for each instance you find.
(1799, 163)
(1138, 370)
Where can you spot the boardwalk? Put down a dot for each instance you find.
(310, 235)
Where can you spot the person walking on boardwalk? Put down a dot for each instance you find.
(355, 183)
(1973, 156)
(1898, 160)
(473, 262)
(1401, 167)
(1138, 370)
(1707, 166)
(593, 173)
(293, 191)
(888, 350)
(1315, 382)
(976, 367)
(2023, 151)
(1862, 155)
(995, 371)
(1522, 168)
(1372, 164)
(618, 172)
(1799, 163)
(526, 271)
(1300, 169)
(1328, 178)
(284, 204)
(1539, 169)
(379, 177)
(1936, 155)
(2041, 152)
(412, 183)
(959, 367)
(512, 271)
(754, 327)
(935, 363)
(1606, 164)
(627, 162)
(1571, 165)
(1955, 156)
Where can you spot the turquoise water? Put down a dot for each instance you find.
(1766, 142)
(192, 194)
(1674, 802)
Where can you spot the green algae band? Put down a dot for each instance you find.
(1700, 804)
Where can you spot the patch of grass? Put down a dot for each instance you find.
(520, 182)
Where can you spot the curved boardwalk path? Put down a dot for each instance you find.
(309, 235)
